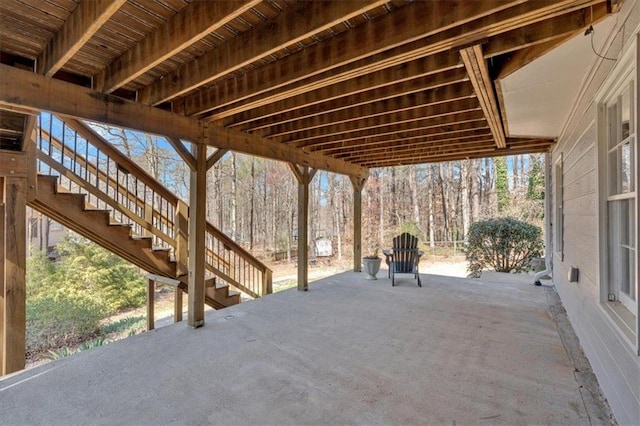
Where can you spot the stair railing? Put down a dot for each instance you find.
(86, 163)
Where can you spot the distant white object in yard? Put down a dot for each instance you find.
(323, 247)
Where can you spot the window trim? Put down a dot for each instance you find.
(626, 70)
(558, 198)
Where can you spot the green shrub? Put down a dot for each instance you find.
(504, 245)
(66, 300)
(61, 320)
(86, 266)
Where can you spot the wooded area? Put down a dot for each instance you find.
(254, 200)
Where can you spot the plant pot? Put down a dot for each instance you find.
(371, 267)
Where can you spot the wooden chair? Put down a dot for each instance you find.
(404, 257)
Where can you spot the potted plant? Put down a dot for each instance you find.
(371, 264)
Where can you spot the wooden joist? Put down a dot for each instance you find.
(256, 44)
(362, 137)
(423, 73)
(191, 24)
(83, 23)
(292, 81)
(405, 115)
(418, 30)
(380, 113)
(483, 86)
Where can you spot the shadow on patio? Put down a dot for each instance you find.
(348, 351)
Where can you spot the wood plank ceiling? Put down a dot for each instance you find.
(370, 82)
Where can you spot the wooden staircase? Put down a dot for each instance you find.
(90, 187)
(72, 211)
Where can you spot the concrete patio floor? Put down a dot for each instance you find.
(348, 351)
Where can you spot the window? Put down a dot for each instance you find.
(621, 197)
(558, 229)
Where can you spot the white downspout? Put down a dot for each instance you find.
(548, 241)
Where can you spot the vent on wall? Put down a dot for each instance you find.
(572, 276)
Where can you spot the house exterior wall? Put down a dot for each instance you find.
(613, 357)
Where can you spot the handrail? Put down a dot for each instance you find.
(236, 247)
(142, 201)
(144, 214)
(122, 160)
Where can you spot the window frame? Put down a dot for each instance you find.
(625, 73)
(558, 194)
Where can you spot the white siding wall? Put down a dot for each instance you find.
(616, 364)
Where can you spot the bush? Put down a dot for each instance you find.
(88, 267)
(61, 320)
(66, 300)
(504, 245)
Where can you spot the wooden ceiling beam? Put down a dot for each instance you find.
(236, 140)
(461, 150)
(421, 123)
(437, 147)
(434, 71)
(391, 40)
(82, 24)
(491, 152)
(453, 141)
(480, 145)
(364, 49)
(544, 31)
(483, 86)
(348, 100)
(28, 91)
(403, 137)
(32, 92)
(188, 26)
(365, 107)
(388, 118)
(293, 25)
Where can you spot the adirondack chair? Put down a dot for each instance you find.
(404, 257)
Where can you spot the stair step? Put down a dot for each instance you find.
(73, 210)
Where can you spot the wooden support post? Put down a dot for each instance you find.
(12, 304)
(304, 175)
(358, 184)
(151, 292)
(177, 304)
(2, 268)
(267, 282)
(181, 223)
(197, 228)
(148, 217)
(29, 147)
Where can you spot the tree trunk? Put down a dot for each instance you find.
(413, 186)
(464, 193)
(432, 221)
(475, 190)
(252, 202)
(234, 197)
(443, 197)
